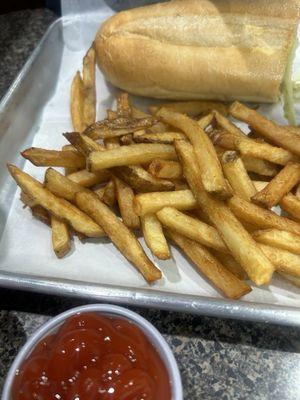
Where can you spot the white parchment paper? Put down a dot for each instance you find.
(25, 245)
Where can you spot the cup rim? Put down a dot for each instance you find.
(150, 331)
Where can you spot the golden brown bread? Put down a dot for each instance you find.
(196, 49)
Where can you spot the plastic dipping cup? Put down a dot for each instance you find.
(53, 324)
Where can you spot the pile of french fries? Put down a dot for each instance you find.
(183, 173)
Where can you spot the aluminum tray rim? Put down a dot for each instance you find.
(199, 305)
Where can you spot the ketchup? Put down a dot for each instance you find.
(93, 357)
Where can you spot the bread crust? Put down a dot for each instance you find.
(199, 49)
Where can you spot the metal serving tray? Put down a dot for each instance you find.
(20, 115)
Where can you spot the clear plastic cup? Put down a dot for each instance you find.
(53, 324)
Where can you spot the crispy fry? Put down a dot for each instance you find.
(192, 108)
(111, 115)
(180, 184)
(83, 143)
(224, 123)
(61, 241)
(237, 176)
(27, 200)
(207, 264)
(212, 177)
(137, 113)
(89, 83)
(229, 262)
(158, 127)
(69, 147)
(77, 103)
(292, 279)
(253, 148)
(278, 238)
(123, 106)
(150, 203)
(125, 198)
(154, 237)
(127, 155)
(59, 207)
(278, 187)
(127, 139)
(297, 193)
(283, 260)
(109, 195)
(100, 192)
(165, 169)
(112, 143)
(117, 127)
(239, 242)
(165, 137)
(291, 204)
(119, 234)
(274, 133)
(140, 180)
(191, 228)
(61, 186)
(53, 158)
(88, 179)
(260, 217)
(203, 122)
(261, 167)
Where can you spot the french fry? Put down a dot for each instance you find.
(54, 158)
(265, 151)
(229, 262)
(260, 217)
(125, 198)
(238, 240)
(211, 268)
(111, 115)
(212, 177)
(228, 126)
(60, 185)
(69, 147)
(252, 148)
(235, 172)
(165, 169)
(119, 234)
(123, 106)
(283, 260)
(27, 200)
(111, 143)
(127, 139)
(83, 143)
(278, 187)
(191, 228)
(117, 127)
(59, 207)
(165, 137)
(297, 193)
(154, 237)
(128, 155)
(292, 279)
(109, 194)
(180, 184)
(87, 179)
(274, 133)
(203, 122)
(278, 238)
(259, 185)
(100, 192)
(140, 180)
(77, 103)
(192, 108)
(261, 167)
(150, 203)
(61, 241)
(291, 204)
(89, 84)
(137, 113)
(158, 127)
